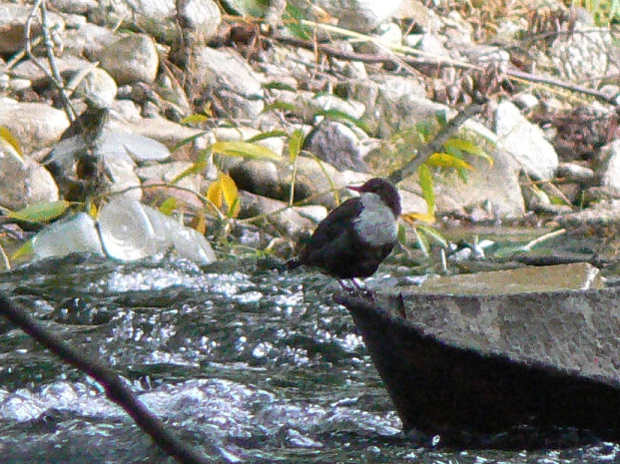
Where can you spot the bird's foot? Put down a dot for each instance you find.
(358, 290)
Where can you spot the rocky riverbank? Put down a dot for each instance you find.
(175, 103)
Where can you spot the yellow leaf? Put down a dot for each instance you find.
(199, 223)
(416, 217)
(230, 193)
(195, 119)
(214, 194)
(245, 150)
(92, 210)
(468, 147)
(224, 191)
(444, 160)
(7, 137)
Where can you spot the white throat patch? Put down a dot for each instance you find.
(376, 222)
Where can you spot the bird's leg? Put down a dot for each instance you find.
(358, 290)
(345, 287)
(363, 290)
(401, 306)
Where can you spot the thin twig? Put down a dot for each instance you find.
(202, 198)
(543, 238)
(435, 145)
(612, 100)
(4, 259)
(18, 56)
(419, 61)
(116, 389)
(49, 47)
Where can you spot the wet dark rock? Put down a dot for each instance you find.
(488, 364)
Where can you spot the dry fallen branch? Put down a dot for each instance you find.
(418, 62)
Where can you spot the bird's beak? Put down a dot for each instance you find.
(354, 188)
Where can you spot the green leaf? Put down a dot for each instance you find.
(195, 119)
(279, 86)
(402, 234)
(509, 252)
(25, 249)
(428, 192)
(291, 18)
(422, 242)
(196, 168)
(245, 150)
(41, 212)
(187, 140)
(453, 151)
(463, 175)
(338, 115)
(168, 206)
(434, 234)
(233, 209)
(267, 135)
(464, 145)
(295, 143)
(280, 105)
(424, 129)
(559, 200)
(442, 117)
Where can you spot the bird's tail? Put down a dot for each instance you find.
(292, 264)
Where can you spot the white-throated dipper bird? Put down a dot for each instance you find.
(357, 236)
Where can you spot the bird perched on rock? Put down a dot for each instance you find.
(357, 236)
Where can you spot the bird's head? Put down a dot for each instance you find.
(384, 189)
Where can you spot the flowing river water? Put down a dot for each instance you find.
(245, 362)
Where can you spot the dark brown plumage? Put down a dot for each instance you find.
(357, 236)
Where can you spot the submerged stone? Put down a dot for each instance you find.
(125, 230)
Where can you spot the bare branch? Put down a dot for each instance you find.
(55, 77)
(417, 62)
(115, 387)
(425, 152)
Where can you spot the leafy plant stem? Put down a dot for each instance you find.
(435, 145)
(543, 238)
(4, 259)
